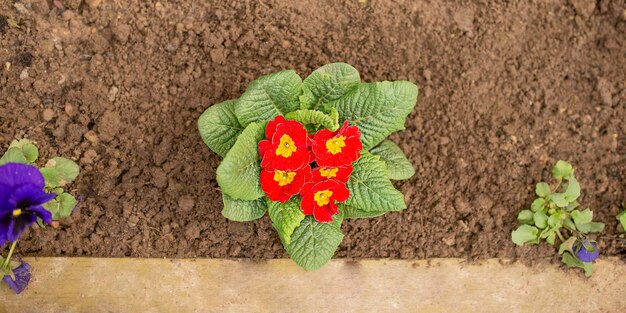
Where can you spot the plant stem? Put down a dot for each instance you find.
(557, 187)
(558, 233)
(8, 259)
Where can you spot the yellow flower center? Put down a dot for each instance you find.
(286, 146)
(334, 145)
(17, 212)
(322, 197)
(329, 172)
(284, 178)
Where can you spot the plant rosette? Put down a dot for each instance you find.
(310, 153)
(554, 212)
(30, 195)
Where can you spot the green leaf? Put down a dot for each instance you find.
(540, 219)
(567, 245)
(13, 155)
(572, 261)
(591, 227)
(327, 83)
(398, 166)
(67, 170)
(559, 200)
(622, 219)
(269, 96)
(378, 109)
(556, 220)
(313, 243)
(542, 189)
(582, 217)
(286, 217)
(573, 190)
(219, 127)
(29, 150)
(525, 234)
(62, 206)
(538, 205)
(562, 170)
(238, 174)
(52, 176)
(350, 212)
(370, 189)
(525, 217)
(312, 117)
(242, 210)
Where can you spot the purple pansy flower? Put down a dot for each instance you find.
(21, 199)
(583, 254)
(22, 277)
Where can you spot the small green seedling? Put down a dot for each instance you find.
(621, 217)
(554, 214)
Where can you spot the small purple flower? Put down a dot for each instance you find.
(22, 277)
(21, 199)
(580, 249)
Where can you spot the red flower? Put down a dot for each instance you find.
(337, 148)
(340, 173)
(320, 198)
(286, 146)
(281, 185)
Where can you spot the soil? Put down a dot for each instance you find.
(507, 88)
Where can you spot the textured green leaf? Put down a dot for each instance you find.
(238, 174)
(562, 170)
(286, 217)
(525, 217)
(327, 83)
(68, 170)
(525, 234)
(573, 190)
(269, 96)
(313, 243)
(219, 127)
(398, 166)
(378, 109)
(370, 188)
(350, 212)
(591, 227)
(313, 117)
(13, 155)
(540, 219)
(243, 210)
(582, 217)
(62, 206)
(542, 189)
(29, 150)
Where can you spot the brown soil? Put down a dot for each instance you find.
(507, 88)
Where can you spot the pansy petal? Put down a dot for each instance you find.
(5, 193)
(22, 277)
(18, 225)
(15, 174)
(41, 212)
(29, 195)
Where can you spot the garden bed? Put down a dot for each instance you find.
(505, 91)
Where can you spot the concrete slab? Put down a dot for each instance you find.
(209, 285)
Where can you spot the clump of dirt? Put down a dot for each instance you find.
(506, 89)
